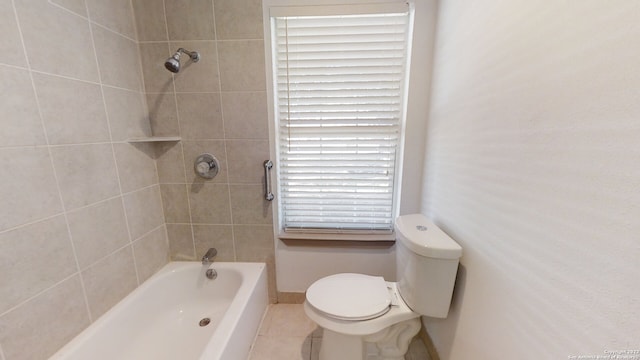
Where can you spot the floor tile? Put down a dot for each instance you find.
(279, 347)
(287, 334)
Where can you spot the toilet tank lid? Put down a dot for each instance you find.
(423, 237)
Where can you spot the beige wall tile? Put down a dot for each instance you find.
(254, 243)
(73, 111)
(127, 114)
(77, 6)
(136, 165)
(245, 115)
(246, 160)
(201, 76)
(238, 19)
(10, 42)
(242, 65)
(150, 20)
(170, 162)
(109, 280)
(249, 206)
(175, 203)
(214, 236)
(118, 59)
(200, 116)
(180, 242)
(117, 15)
(98, 230)
(144, 211)
(192, 149)
(157, 79)
(209, 203)
(86, 173)
(37, 328)
(28, 190)
(151, 253)
(19, 117)
(57, 42)
(163, 115)
(33, 258)
(191, 20)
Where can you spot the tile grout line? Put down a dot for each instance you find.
(113, 152)
(34, 296)
(83, 207)
(226, 152)
(88, 18)
(153, 148)
(203, 40)
(55, 176)
(67, 77)
(184, 162)
(74, 274)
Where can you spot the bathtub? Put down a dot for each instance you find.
(160, 320)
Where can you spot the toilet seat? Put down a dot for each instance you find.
(350, 297)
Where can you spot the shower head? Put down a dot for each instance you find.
(173, 63)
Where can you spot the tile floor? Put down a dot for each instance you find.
(287, 334)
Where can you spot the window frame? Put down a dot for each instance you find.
(273, 8)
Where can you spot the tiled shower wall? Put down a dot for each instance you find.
(217, 106)
(81, 222)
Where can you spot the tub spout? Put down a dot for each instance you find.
(208, 257)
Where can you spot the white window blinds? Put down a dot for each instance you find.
(340, 83)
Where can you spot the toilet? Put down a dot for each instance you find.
(365, 317)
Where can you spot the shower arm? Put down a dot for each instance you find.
(194, 55)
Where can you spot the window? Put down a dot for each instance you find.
(339, 83)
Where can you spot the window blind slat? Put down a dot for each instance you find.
(339, 90)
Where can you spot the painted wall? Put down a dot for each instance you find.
(299, 266)
(532, 165)
(81, 221)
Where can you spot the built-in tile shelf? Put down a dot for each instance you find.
(154, 139)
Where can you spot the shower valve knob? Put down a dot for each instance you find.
(206, 166)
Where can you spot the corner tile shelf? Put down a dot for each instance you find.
(154, 139)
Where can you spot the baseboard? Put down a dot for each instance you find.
(290, 298)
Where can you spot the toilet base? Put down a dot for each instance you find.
(391, 343)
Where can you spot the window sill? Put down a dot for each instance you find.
(337, 240)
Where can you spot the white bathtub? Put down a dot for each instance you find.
(160, 319)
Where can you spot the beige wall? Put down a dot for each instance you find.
(217, 105)
(532, 166)
(81, 221)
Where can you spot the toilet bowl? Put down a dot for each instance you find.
(357, 309)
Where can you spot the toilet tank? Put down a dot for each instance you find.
(426, 265)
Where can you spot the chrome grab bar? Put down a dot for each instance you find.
(268, 164)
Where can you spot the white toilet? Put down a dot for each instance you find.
(356, 309)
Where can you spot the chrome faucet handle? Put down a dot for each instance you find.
(208, 257)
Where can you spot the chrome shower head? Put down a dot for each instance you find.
(173, 63)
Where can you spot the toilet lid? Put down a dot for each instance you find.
(350, 296)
